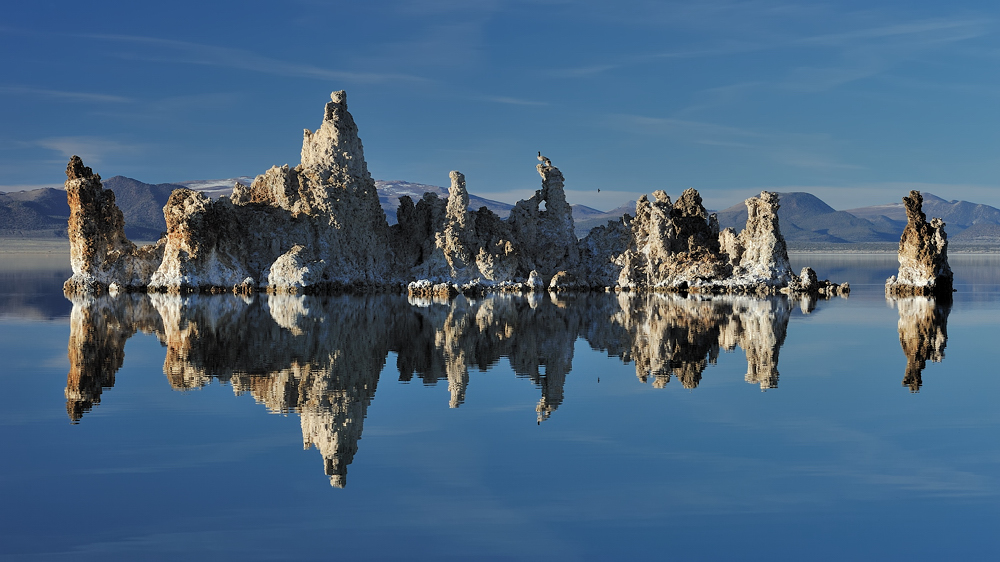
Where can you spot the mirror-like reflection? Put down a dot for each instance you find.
(321, 357)
(923, 334)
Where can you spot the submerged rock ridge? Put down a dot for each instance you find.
(923, 334)
(923, 255)
(319, 228)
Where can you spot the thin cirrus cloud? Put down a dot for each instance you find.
(90, 149)
(513, 101)
(926, 33)
(641, 59)
(800, 150)
(870, 49)
(210, 55)
(62, 94)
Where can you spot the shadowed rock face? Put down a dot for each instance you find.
(923, 334)
(442, 242)
(672, 245)
(545, 237)
(923, 255)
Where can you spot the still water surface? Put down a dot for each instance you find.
(576, 428)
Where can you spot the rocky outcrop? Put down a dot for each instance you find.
(442, 244)
(319, 228)
(672, 246)
(808, 283)
(923, 334)
(678, 247)
(923, 255)
(760, 252)
(318, 225)
(100, 253)
(542, 228)
(446, 247)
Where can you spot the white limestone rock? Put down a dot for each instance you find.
(545, 237)
(296, 270)
(100, 253)
(923, 255)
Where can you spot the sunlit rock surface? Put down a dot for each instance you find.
(923, 255)
(923, 334)
(677, 246)
(318, 228)
(100, 253)
(294, 229)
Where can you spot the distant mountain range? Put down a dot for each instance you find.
(805, 218)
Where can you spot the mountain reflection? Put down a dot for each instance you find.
(923, 334)
(321, 357)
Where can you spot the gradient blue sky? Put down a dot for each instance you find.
(856, 102)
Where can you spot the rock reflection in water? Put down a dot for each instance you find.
(671, 335)
(321, 357)
(923, 334)
(99, 328)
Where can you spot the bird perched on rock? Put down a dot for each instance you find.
(543, 159)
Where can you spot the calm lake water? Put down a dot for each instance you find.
(590, 427)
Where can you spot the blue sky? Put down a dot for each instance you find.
(856, 102)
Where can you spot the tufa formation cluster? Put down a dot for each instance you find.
(923, 255)
(318, 228)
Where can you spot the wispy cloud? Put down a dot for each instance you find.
(93, 150)
(513, 101)
(926, 32)
(800, 150)
(697, 130)
(856, 53)
(585, 70)
(197, 53)
(627, 61)
(61, 94)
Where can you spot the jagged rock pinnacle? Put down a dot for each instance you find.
(923, 255)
